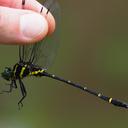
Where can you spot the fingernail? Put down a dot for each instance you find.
(32, 25)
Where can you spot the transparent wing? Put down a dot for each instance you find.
(43, 52)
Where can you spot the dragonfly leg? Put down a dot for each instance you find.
(24, 93)
(41, 9)
(23, 2)
(15, 85)
(13, 82)
(48, 11)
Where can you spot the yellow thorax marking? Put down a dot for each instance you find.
(15, 69)
(22, 71)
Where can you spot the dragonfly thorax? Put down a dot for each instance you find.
(21, 70)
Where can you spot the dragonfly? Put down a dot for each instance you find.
(35, 59)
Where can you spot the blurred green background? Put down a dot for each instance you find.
(93, 49)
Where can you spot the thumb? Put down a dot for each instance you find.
(21, 26)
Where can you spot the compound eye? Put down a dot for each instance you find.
(7, 70)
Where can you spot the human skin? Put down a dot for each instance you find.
(24, 24)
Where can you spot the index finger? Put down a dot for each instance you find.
(31, 5)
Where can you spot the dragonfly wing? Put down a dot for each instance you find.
(43, 52)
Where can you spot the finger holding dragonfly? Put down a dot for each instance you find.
(26, 20)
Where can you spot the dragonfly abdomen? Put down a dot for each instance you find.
(37, 72)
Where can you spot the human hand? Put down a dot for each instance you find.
(24, 24)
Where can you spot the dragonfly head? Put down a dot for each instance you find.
(7, 74)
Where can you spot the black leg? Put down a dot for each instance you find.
(41, 9)
(48, 11)
(11, 87)
(24, 93)
(15, 85)
(23, 2)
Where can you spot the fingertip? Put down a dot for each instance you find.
(51, 23)
(50, 19)
(33, 27)
(25, 26)
(37, 7)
